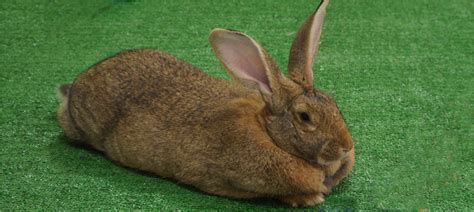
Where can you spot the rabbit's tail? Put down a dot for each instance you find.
(63, 114)
(63, 91)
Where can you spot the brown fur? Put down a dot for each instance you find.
(148, 110)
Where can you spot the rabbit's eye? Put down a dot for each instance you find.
(304, 117)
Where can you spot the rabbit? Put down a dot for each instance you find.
(262, 134)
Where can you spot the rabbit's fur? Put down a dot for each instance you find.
(260, 135)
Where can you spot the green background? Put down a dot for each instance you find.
(401, 71)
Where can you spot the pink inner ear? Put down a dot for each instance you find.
(243, 58)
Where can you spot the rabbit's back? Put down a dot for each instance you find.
(141, 80)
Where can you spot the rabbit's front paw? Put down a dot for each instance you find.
(304, 200)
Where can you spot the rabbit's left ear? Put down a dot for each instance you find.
(249, 64)
(245, 60)
(305, 47)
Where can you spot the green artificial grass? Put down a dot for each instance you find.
(401, 71)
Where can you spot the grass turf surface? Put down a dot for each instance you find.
(401, 71)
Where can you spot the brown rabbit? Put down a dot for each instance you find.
(261, 135)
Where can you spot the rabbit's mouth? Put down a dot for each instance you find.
(324, 162)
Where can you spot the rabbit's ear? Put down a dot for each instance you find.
(305, 47)
(245, 60)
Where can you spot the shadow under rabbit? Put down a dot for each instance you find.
(91, 162)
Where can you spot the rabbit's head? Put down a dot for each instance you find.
(299, 118)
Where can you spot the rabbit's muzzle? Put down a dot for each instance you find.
(335, 149)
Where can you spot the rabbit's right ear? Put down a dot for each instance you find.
(305, 47)
(245, 60)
